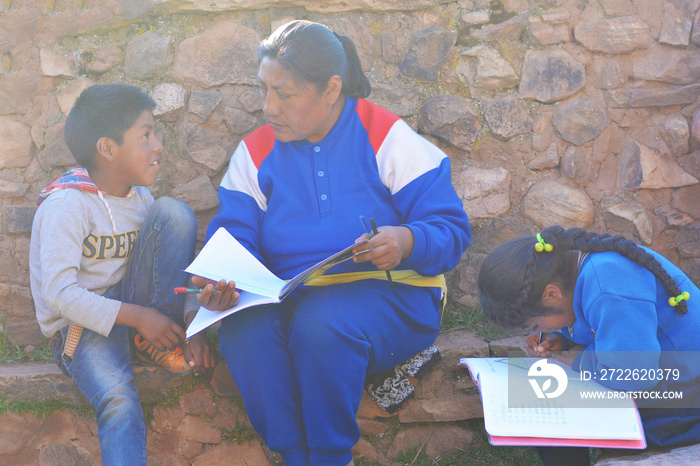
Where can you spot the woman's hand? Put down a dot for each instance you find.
(198, 352)
(225, 297)
(387, 248)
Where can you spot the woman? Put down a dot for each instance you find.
(293, 194)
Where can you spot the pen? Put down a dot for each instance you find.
(366, 226)
(539, 339)
(182, 289)
(374, 232)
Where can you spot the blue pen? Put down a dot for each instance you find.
(366, 226)
(539, 341)
(371, 231)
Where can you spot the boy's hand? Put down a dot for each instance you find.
(158, 329)
(550, 342)
(387, 248)
(225, 298)
(197, 350)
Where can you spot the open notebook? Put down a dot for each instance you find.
(224, 258)
(564, 420)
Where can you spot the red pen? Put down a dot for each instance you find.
(183, 289)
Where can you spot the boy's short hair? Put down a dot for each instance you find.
(103, 110)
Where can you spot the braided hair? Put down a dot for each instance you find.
(528, 272)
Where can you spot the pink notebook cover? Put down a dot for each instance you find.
(565, 442)
(569, 442)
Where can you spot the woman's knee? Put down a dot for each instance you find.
(315, 328)
(248, 329)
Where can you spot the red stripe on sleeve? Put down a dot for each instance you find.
(260, 144)
(376, 120)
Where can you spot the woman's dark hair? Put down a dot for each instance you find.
(103, 110)
(514, 276)
(313, 54)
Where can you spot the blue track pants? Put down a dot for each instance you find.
(301, 364)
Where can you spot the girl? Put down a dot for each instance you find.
(609, 304)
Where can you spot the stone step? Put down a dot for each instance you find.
(654, 457)
(40, 381)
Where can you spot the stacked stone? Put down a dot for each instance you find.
(567, 112)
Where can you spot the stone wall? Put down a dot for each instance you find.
(552, 111)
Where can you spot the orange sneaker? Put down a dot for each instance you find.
(173, 361)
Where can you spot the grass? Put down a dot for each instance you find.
(478, 452)
(238, 434)
(40, 408)
(10, 354)
(45, 407)
(171, 398)
(14, 354)
(459, 317)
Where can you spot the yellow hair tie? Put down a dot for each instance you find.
(542, 246)
(673, 301)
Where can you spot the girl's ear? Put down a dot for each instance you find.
(105, 147)
(552, 294)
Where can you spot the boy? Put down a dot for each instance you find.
(104, 259)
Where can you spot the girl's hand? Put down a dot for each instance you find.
(550, 342)
(226, 298)
(387, 248)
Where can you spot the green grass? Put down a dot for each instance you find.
(14, 354)
(238, 434)
(459, 317)
(10, 354)
(171, 398)
(40, 408)
(479, 452)
(43, 408)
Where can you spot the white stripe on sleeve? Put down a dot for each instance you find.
(404, 156)
(242, 176)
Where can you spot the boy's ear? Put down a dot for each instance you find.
(105, 146)
(552, 294)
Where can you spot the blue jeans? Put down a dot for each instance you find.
(101, 366)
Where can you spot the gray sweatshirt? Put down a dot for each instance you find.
(80, 247)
